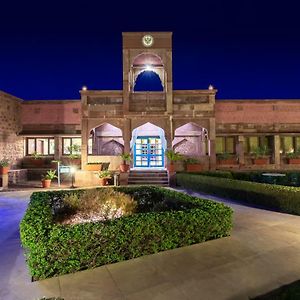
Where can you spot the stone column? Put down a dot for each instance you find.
(84, 141)
(277, 151)
(58, 147)
(212, 139)
(240, 150)
(127, 135)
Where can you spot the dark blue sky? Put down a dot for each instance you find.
(246, 49)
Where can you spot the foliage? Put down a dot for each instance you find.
(73, 150)
(4, 162)
(106, 204)
(173, 156)
(282, 198)
(36, 155)
(50, 175)
(192, 161)
(126, 157)
(295, 154)
(104, 174)
(164, 219)
(291, 178)
(225, 155)
(260, 152)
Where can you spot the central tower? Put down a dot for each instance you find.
(142, 52)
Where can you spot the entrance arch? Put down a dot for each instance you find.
(106, 140)
(148, 80)
(191, 140)
(148, 145)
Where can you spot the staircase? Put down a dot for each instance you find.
(148, 177)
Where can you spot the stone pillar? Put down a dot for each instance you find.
(240, 150)
(277, 151)
(127, 135)
(212, 139)
(4, 180)
(84, 142)
(58, 148)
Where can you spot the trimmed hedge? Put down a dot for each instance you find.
(55, 249)
(292, 178)
(283, 198)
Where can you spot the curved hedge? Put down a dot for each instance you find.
(54, 249)
(282, 198)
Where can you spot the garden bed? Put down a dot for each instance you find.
(162, 219)
(281, 198)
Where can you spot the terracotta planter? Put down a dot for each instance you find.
(124, 168)
(46, 183)
(37, 162)
(194, 168)
(102, 181)
(229, 161)
(261, 161)
(93, 167)
(294, 161)
(171, 168)
(4, 170)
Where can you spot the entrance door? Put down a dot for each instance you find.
(148, 152)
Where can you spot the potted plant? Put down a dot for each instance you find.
(36, 159)
(103, 177)
(124, 167)
(226, 159)
(4, 166)
(46, 180)
(93, 166)
(172, 157)
(73, 157)
(260, 155)
(293, 157)
(193, 165)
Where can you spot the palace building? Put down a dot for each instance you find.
(106, 123)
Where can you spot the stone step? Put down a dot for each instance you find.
(148, 177)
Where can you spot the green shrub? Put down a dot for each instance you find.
(164, 220)
(282, 198)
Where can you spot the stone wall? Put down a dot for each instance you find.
(11, 145)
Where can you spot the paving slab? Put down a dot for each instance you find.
(262, 253)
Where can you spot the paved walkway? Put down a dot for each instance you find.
(263, 253)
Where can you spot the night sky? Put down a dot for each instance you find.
(246, 49)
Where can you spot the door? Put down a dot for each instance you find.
(148, 152)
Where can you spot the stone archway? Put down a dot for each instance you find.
(148, 145)
(191, 139)
(107, 140)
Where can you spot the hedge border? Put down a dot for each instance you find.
(52, 249)
(277, 197)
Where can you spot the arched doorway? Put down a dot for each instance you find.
(148, 146)
(191, 140)
(148, 80)
(106, 139)
(147, 73)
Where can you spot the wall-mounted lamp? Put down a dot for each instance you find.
(210, 87)
(84, 88)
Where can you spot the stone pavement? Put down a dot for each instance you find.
(262, 254)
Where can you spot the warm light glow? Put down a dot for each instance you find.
(73, 170)
(84, 88)
(210, 87)
(148, 68)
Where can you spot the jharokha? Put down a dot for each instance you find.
(106, 123)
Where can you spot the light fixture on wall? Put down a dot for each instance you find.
(84, 88)
(210, 87)
(148, 68)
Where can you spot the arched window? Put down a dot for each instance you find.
(148, 81)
